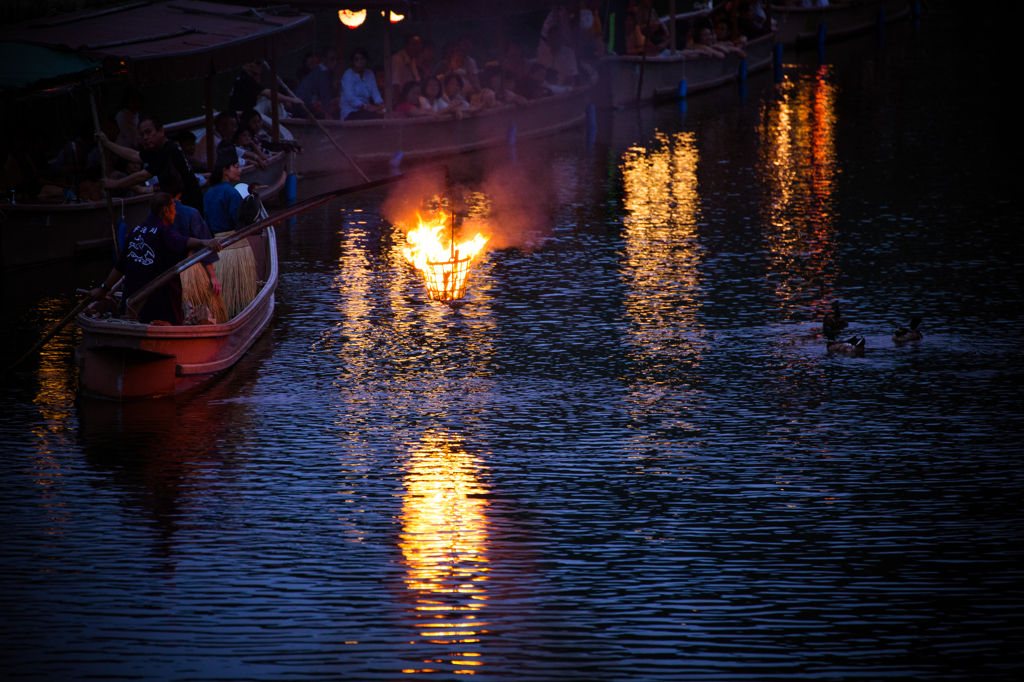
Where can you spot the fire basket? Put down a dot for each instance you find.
(445, 277)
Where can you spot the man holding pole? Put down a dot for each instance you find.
(152, 248)
(156, 156)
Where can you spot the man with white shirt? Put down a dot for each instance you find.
(553, 54)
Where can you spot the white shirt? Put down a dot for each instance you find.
(564, 62)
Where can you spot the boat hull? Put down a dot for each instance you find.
(620, 76)
(799, 25)
(122, 360)
(373, 144)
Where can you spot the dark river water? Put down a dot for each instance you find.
(629, 456)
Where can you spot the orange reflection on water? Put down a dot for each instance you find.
(799, 164)
(662, 251)
(444, 545)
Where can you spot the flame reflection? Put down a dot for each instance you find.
(444, 544)
(799, 164)
(662, 250)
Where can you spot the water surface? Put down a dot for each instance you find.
(627, 457)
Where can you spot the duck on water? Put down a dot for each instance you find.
(910, 332)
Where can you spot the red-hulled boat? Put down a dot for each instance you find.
(124, 360)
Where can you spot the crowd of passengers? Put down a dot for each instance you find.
(424, 85)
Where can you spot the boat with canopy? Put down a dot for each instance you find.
(142, 43)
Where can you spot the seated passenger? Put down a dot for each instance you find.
(186, 140)
(650, 25)
(430, 97)
(723, 34)
(452, 101)
(555, 54)
(221, 202)
(749, 25)
(224, 127)
(360, 98)
(153, 248)
(317, 89)
(636, 43)
(244, 146)
(534, 86)
(90, 189)
(514, 60)
(409, 102)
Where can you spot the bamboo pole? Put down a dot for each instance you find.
(103, 166)
(138, 299)
(63, 323)
(389, 90)
(208, 88)
(323, 130)
(672, 25)
(275, 119)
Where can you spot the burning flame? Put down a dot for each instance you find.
(395, 18)
(445, 268)
(352, 18)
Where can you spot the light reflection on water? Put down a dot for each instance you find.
(800, 166)
(627, 457)
(444, 542)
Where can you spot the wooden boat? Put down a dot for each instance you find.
(40, 233)
(620, 75)
(799, 25)
(217, 36)
(374, 143)
(123, 360)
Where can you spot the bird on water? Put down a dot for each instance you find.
(910, 332)
(853, 346)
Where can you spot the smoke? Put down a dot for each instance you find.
(418, 193)
(512, 206)
(522, 199)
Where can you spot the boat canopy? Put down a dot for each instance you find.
(435, 10)
(32, 66)
(166, 41)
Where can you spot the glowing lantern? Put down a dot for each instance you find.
(395, 18)
(351, 18)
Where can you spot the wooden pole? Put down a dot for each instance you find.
(672, 25)
(389, 90)
(323, 130)
(53, 332)
(103, 165)
(209, 123)
(275, 119)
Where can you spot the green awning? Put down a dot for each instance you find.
(26, 66)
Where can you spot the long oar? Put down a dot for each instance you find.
(138, 299)
(63, 323)
(53, 332)
(319, 125)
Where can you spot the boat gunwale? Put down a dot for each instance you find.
(582, 91)
(670, 59)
